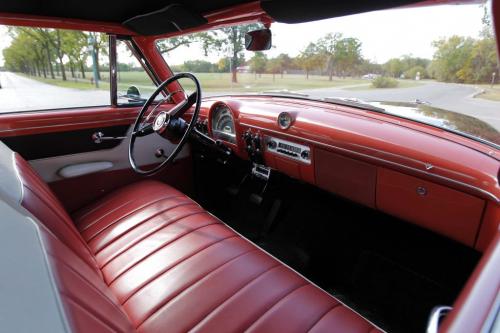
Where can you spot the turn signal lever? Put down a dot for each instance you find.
(208, 141)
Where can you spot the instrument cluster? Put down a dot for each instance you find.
(222, 124)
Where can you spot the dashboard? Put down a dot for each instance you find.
(377, 160)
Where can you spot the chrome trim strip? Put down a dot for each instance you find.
(110, 121)
(435, 318)
(487, 194)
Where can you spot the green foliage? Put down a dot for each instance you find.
(258, 62)
(412, 72)
(384, 82)
(341, 54)
(47, 52)
(197, 66)
(310, 58)
(367, 67)
(406, 66)
(467, 60)
(394, 67)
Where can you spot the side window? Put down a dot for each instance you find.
(134, 85)
(43, 69)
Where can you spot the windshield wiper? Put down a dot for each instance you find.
(285, 92)
(354, 102)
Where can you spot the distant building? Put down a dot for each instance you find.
(243, 69)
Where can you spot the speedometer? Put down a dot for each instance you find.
(223, 123)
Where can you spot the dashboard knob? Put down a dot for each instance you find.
(305, 154)
(271, 144)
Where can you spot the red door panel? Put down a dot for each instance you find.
(53, 140)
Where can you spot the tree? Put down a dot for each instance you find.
(197, 66)
(274, 66)
(100, 45)
(394, 67)
(74, 46)
(367, 67)
(25, 54)
(343, 54)
(451, 56)
(347, 55)
(258, 63)
(232, 40)
(170, 44)
(227, 41)
(310, 58)
(223, 65)
(480, 63)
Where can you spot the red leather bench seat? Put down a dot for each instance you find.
(147, 258)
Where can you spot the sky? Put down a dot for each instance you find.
(384, 34)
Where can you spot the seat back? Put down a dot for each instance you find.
(51, 273)
(21, 183)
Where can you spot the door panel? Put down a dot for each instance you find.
(37, 146)
(52, 141)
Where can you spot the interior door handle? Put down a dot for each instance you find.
(99, 137)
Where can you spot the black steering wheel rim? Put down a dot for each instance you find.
(186, 134)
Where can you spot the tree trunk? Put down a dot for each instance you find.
(281, 74)
(234, 78)
(72, 69)
(330, 75)
(234, 39)
(307, 75)
(60, 55)
(63, 70)
(49, 61)
(37, 66)
(97, 62)
(82, 69)
(44, 70)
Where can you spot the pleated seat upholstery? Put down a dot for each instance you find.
(147, 258)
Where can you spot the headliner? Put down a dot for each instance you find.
(288, 11)
(105, 10)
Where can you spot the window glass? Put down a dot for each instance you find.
(44, 68)
(134, 85)
(436, 64)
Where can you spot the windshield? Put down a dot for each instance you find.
(439, 58)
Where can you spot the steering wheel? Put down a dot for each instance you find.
(167, 124)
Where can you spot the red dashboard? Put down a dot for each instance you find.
(378, 160)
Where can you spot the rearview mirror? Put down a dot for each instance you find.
(258, 40)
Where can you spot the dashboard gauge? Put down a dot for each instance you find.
(223, 124)
(285, 120)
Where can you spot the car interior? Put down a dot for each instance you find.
(258, 213)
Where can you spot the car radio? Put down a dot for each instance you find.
(290, 149)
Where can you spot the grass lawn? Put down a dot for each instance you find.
(248, 82)
(212, 82)
(401, 84)
(492, 94)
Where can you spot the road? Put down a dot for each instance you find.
(448, 96)
(20, 93)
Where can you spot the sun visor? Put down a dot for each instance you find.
(172, 18)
